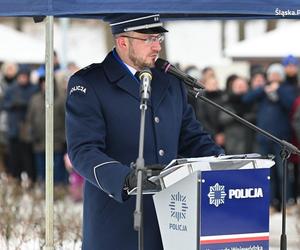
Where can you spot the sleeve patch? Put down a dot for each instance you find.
(78, 88)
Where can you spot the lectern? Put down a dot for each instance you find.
(215, 204)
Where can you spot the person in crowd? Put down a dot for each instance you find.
(208, 115)
(238, 137)
(291, 69)
(274, 102)
(75, 181)
(15, 102)
(295, 159)
(229, 80)
(8, 76)
(62, 77)
(40, 72)
(56, 65)
(207, 73)
(291, 64)
(72, 68)
(257, 80)
(193, 71)
(102, 124)
(35, 127)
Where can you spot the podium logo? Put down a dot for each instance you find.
(178, 206)
(216, 195)
(246, 193)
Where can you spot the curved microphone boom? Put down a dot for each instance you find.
(166, 67)
(145, 77)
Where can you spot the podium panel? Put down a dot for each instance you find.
(176, 209)
(234, 209)
(216, 210)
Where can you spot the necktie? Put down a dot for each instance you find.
(136, 75)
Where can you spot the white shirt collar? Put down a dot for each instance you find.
(131, 69)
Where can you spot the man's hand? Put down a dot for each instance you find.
(152, 170)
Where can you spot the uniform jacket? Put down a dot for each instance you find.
(102, 126)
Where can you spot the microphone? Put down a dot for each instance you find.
(166, 67)
(145, 77)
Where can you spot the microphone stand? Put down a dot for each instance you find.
(286, 150)
(140, 167)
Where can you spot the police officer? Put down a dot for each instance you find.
(103, 119)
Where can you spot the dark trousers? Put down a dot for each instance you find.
(20, 159)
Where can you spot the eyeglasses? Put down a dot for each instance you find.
(150, 39)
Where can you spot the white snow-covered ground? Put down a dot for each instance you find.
(292, 229)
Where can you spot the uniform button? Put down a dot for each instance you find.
(156, 119)
(161, 152)
(110, 195)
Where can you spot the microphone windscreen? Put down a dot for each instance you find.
(161, 63)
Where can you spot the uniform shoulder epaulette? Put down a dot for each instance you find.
(87, 69)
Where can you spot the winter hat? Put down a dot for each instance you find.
(276, 68)
(290, 59)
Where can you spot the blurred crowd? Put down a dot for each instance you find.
(22, 125)
(270, 99)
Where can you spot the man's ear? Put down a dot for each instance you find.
(122, 42)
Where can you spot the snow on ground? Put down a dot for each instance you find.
(22, 221)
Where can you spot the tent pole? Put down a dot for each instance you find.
(49, 96)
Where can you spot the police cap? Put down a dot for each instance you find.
(141, 23)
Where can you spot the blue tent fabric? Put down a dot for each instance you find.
(172, 8)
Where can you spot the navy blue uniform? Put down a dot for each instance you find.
(103, 121)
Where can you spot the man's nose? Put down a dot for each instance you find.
(156, 46)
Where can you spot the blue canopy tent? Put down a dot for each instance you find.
(172, 9)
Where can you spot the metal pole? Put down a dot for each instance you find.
(285, 154)
(49, 96)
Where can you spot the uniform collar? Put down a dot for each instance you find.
(131, 69)
(124, 65)
(118, 73)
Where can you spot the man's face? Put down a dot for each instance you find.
(291, 70)
(141, 53)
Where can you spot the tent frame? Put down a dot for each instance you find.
(49, 100)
